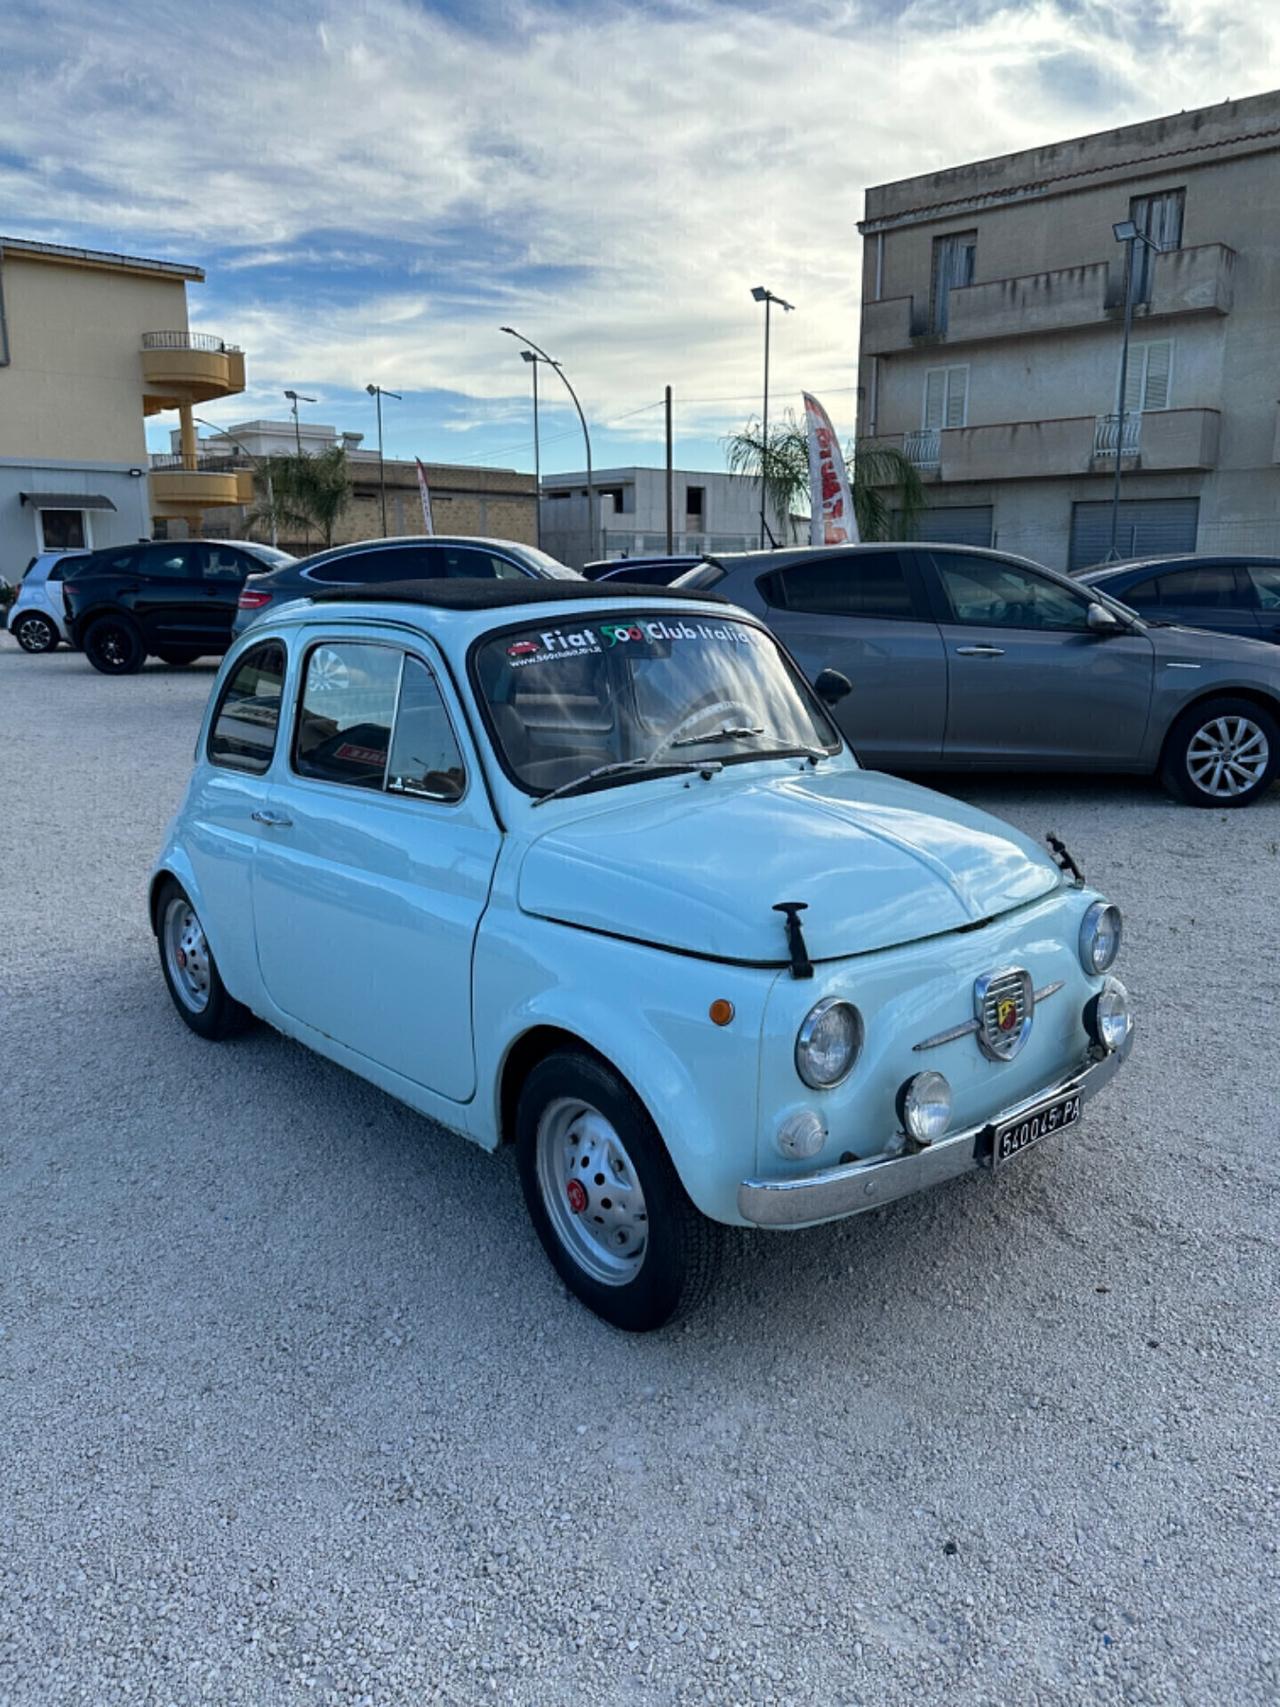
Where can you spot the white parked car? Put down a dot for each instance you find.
(590, 870)
(37, 620)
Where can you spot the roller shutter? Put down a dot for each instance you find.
(1149, 527)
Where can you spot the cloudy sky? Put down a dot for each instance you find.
(375, 186)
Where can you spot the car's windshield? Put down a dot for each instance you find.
(550, 568)
(633, 689)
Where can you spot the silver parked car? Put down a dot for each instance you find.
(960, 658)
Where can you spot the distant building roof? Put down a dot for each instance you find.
(69, 256)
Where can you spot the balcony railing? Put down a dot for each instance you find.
(1108, 428)
(204, 463)
(923, 449)
(189, 341)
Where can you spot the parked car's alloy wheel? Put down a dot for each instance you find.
(191, 972)
(605, 1199)
(1221, 753)
(35, 633)
(114, 646)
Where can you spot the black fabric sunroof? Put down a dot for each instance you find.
(462, 592)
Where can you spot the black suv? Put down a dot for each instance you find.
(170, 599)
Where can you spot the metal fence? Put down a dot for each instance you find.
(188, 341)
(1108, 426)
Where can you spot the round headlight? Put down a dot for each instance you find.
(1100, 932)
(924, 1106)
(829, 1042)
(1107, 1018)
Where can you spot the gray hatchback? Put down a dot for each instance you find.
(961, 658)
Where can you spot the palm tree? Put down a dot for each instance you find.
(310, 492)
(877, 473)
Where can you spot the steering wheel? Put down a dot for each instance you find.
(699, 715)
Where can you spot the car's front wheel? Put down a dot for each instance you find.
(35, 633)
(113, 645)
(605, 1198)
(1223, 752)
(190, 970)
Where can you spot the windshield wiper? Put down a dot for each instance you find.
(627, 767)
(786, 750)
(728, 733)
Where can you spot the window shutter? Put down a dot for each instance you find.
(1133, 379)
(935, 386)
(1159, 365)
(957, 396)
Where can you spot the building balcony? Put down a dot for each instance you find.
(1198, 280)
(181, 488)
(188, 367)
(1161, 440)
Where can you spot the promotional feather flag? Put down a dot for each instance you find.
(427, 525)
(832, 521)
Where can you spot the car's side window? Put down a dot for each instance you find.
(1211, 586)
(178, 560)
(224, 563)
(368, 568)
(348, 706)
(425, 760)
(242, 735)
(1142, 594)
(475, 561)
(870, 583)
(1266, 585)
(985, 592)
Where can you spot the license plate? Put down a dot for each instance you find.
(1015, 1136)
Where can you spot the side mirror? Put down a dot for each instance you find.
(1103, 621)
(831, 687)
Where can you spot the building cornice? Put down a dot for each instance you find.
(60, 254)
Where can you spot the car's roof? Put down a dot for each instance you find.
(782, 555)
(416, 539)
(465, 593)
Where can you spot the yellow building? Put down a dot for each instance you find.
(90, 343)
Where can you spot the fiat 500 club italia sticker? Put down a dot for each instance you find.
(573, 643)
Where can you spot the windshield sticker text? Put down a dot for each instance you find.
(571, 643)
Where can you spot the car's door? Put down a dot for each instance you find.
(1209, 595)
(1028, 680)
(166, 593)
(223, 571)
(374, 870)
(1264, 579)
(865, 614)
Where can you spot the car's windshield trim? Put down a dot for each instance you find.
(654, 608)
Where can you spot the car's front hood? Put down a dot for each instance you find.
(700, 868)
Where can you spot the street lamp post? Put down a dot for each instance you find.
(760, 294)
(266, 473)
(591, 488)
(378, 392)
(533, 361)
(1126, 232)
(296, 397)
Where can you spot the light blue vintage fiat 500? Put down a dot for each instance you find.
(590, 870)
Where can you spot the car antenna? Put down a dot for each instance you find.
(801, 965)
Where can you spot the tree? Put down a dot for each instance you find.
(311, 493)
(879, 475)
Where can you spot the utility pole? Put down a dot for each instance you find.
(379, 393)
(760, 294)
(591, 489)
(670, 481)
(1126, 232)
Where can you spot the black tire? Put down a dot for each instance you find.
(113, 645)
(176, 658)
(221, 1016)
(1238, 726)
(35, 632)
(681, 1248)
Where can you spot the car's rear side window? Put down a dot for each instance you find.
(1209, 586)
(243, 734)
(368, 568)
(1141, 595)
(864, 583)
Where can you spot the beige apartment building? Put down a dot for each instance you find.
(992, 322)
(90, 344)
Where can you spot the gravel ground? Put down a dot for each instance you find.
(293, 1409)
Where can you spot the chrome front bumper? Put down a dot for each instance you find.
(850, 1190)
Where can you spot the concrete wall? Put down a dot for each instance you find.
(72, 388)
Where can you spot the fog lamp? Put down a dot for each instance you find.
(924, 1106)
(1107, 1018)
(802, 1134)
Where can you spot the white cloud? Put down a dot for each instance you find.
(667, 159)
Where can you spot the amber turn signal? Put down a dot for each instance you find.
(721, 1011)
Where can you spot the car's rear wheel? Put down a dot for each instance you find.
(191, 972)
(35, 633)
(113, 645)
(605, 1198)
(1223, 752)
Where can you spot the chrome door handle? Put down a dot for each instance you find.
(979, 651)
(276, 820)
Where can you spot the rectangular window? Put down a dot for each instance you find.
(63, 530)
(1158, 217)
(863, 583)
(1148, 383)
(425, 760)
(243, 733)
(946, 398)
(694, 502)
(953, 264)
(348, 707)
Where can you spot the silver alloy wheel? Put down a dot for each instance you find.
(592, 1191)
(186, 955)
(35, 633)
(1228, 756)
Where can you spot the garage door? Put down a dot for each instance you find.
(955, 524)
(1149, 527)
